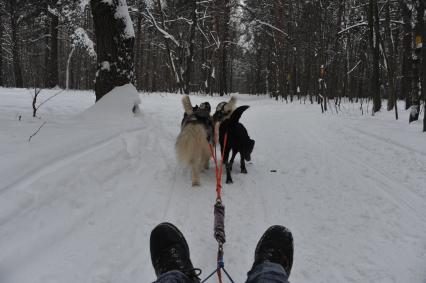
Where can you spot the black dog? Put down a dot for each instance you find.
(238, 140)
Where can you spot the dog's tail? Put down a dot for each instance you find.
(187, 106)
(191, 144)
(236, 115)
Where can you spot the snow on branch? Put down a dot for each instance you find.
(165, 33)
(53, 11)
(82, 40)
(44, 36)
(122, 13)
(356, 66)
(204, 2)
(189, 22)
(271, 26)
(109, 2)
(83, 4)
(353, 26)
(202, 32)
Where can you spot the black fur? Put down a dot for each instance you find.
(238, 141)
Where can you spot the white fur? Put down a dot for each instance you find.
(192, 148)
(229, 107)
(187, 106)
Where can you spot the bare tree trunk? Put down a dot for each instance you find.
(53, 74)
(139, 54)
(406, 61)
(390, 63)
(67, 76)
(291, 33)
(114, 46)
(336, 62)
(417, 71)
(15, 44)
(46, 55)
(374, 34)
(226, 8)
(191, 42)
(231, 71)
(423, 72)
(148, 74)
(279, 48)
(175, 73)
(1, 48)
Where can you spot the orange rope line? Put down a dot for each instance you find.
(219, 168)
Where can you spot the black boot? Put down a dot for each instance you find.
(276, 245)
(169, 251)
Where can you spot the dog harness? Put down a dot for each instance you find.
(202, 117)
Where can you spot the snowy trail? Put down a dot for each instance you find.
(58, 162)
(389, 185)
(349, 188)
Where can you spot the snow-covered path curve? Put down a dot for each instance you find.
(349, 188)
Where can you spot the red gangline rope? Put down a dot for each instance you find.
(219, 167)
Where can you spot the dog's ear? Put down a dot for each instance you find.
(220, 106)
(230, 106)
(187, 106)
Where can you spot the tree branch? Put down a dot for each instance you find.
(35, 133)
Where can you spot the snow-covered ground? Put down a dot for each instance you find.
(78, 202)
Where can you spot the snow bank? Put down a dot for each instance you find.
(115, 106)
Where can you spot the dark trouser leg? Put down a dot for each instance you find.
(174, 276)
(267, 272)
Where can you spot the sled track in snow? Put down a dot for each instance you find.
(387, 141)
(55, 165)
(61, 161)
(410, 197)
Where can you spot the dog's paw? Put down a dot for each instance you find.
(229, 181)
(244, 170)
(229, 166)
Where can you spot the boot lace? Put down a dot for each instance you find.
(171, 259)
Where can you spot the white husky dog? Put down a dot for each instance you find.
(192, 146)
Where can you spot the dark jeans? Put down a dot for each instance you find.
(267, 272)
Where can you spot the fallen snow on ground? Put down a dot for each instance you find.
(78, 202)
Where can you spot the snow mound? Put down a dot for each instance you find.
(115, 107)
